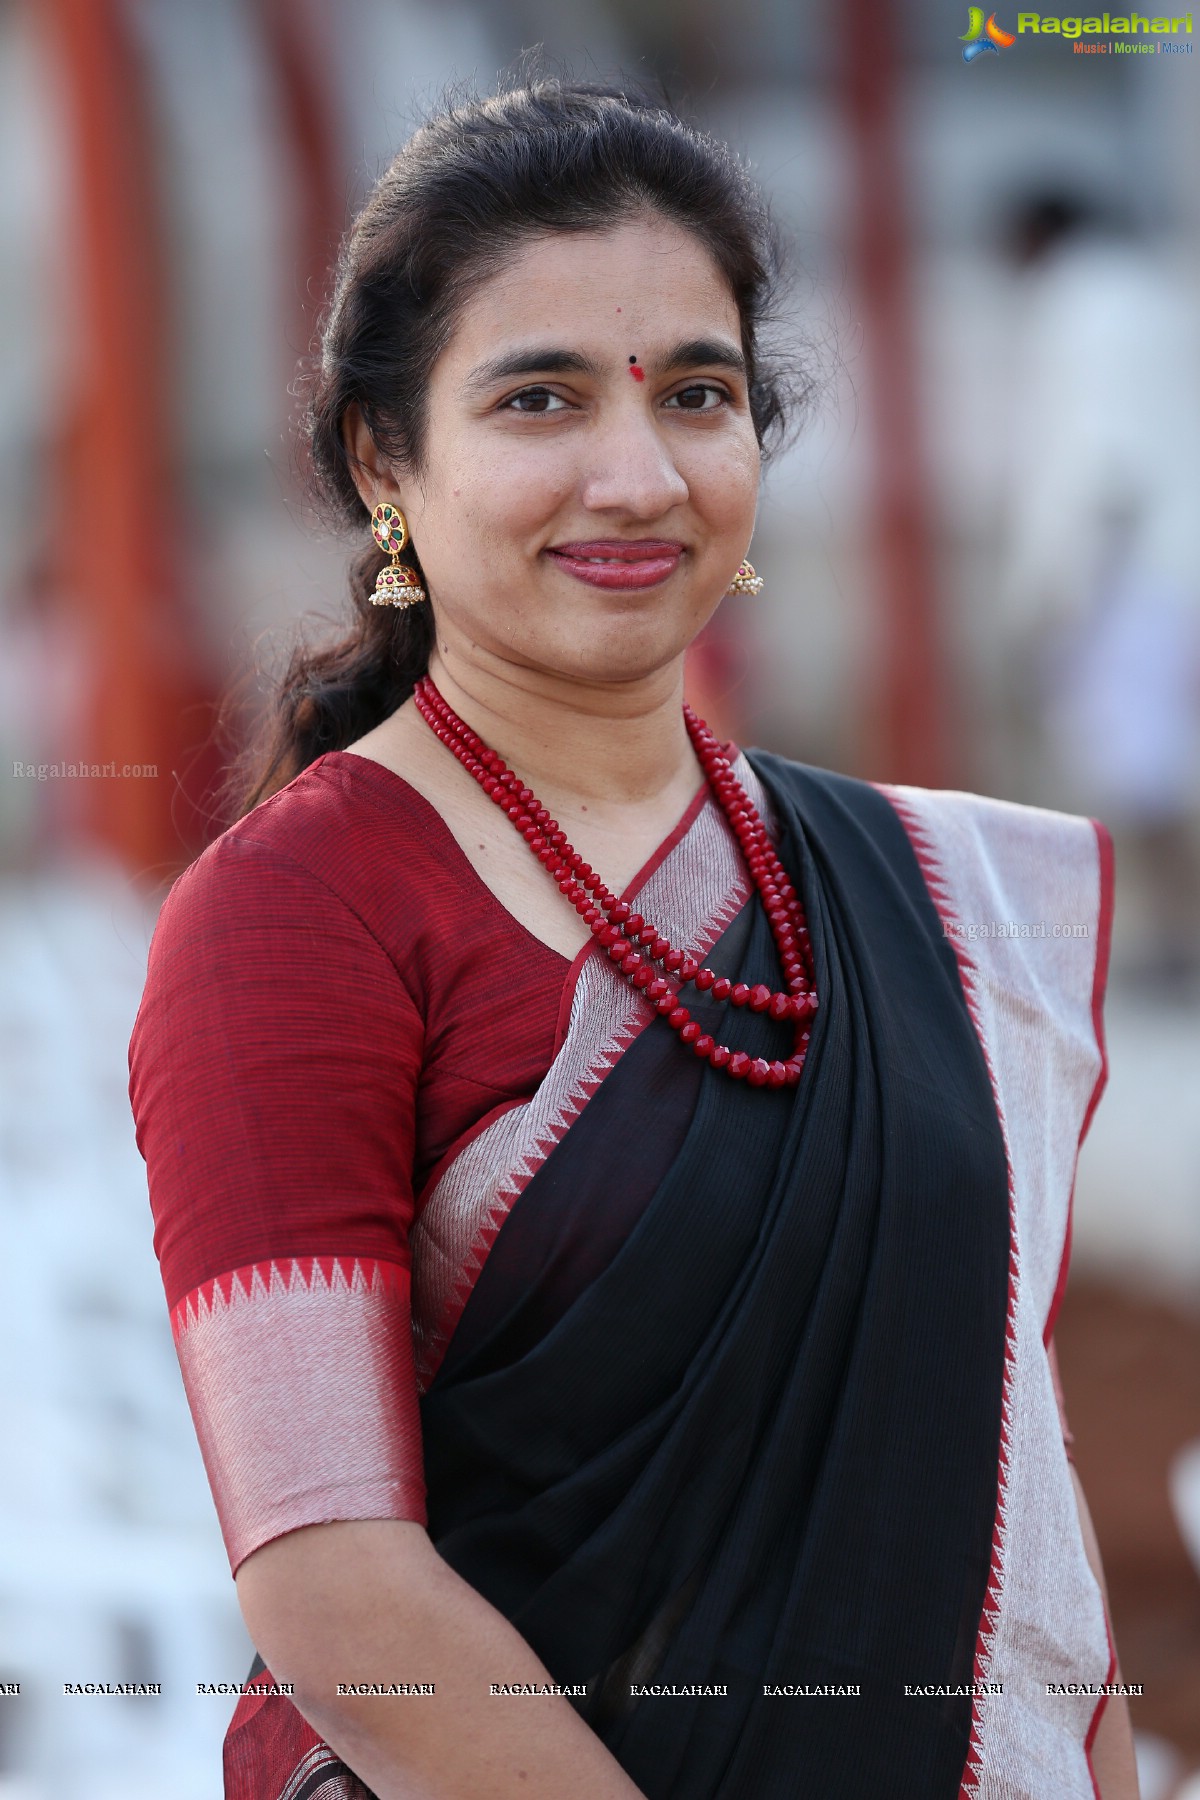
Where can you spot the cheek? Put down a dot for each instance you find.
(725, 487)
(494, 492)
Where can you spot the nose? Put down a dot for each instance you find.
(630, 466)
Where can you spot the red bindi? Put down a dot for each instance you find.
(638, 374)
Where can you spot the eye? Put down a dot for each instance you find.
(533, 400)
(700, 396)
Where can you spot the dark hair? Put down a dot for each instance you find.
(547, 156)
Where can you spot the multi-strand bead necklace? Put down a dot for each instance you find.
(635, 946)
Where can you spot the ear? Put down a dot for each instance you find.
(370, 470)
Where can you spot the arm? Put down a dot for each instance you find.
(1113, 1762)
(274, 1068)
(372, 1600)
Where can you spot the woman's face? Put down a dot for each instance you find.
(591, 470)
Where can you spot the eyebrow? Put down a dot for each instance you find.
(549, 359)
(536, 360)
(706, 353)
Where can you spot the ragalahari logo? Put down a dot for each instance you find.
(979, 36)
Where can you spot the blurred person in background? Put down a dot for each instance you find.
(589, 1160)
(1102, 590)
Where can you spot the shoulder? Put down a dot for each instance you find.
(803, 781)
(1043, 874)
(345, 838)
(852, 816)
(1004, 833)
(1024, 893)
(295, 923)
(971, 841)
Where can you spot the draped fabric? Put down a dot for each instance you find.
(740, 1403)
(758, 1447)
(717, 1383)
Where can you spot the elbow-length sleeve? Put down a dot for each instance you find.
(273, 1071)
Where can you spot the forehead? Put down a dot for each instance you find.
(643, 282)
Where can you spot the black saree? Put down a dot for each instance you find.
(722, 1408)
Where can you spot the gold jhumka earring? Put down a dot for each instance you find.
(746, 581)
(397, 584)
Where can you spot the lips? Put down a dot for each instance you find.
(619, 563)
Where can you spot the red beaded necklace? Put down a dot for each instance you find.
(632, 943)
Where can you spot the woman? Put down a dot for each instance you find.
(613, 1226)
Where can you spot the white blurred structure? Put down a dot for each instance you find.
(1137, 1199)
(111, 1564)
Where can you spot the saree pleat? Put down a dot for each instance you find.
(723, 1407)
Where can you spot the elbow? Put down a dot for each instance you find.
(322, 1600)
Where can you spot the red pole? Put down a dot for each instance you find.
(114, 510)
(906, 727)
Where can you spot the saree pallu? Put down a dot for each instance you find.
(736, 1401)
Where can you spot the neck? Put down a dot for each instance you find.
(614, 744)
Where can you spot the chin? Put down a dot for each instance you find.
(623, 654)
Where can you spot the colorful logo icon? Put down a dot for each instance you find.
(979, 36)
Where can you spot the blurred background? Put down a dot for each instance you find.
(982, 560)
